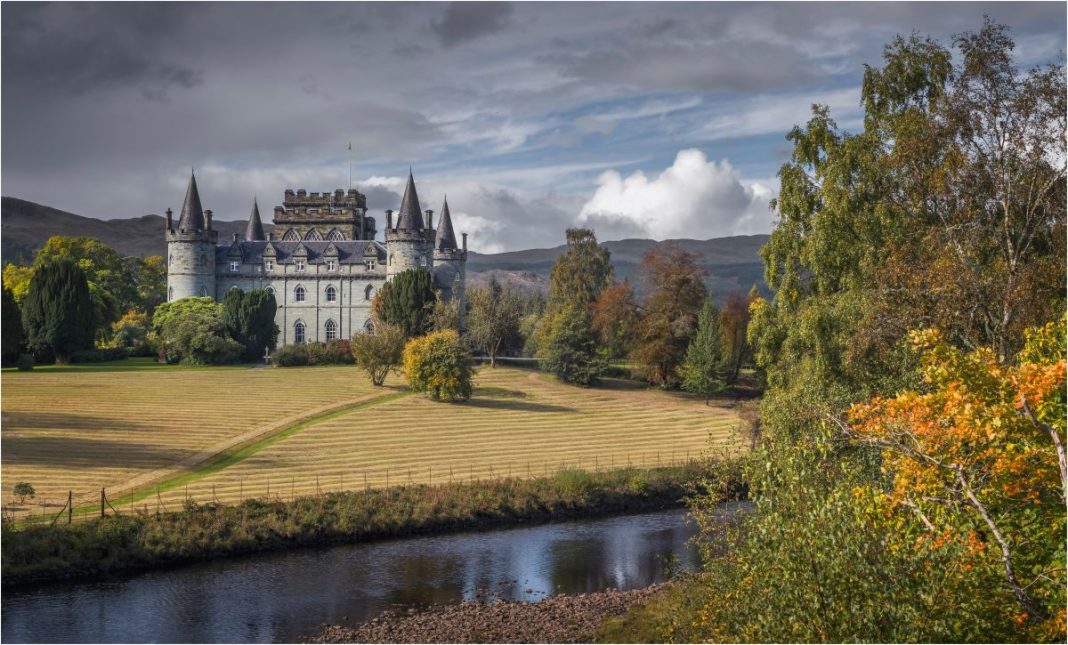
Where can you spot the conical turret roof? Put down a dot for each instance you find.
(445, 239)
(254, 230)
(192, 218)
(410, 217)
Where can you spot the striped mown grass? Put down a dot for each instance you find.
(84, 430)
(519, 423)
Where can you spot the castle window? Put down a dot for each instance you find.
(313, 234)
(331, 294)
(234, 266)
(203, 292)
(298, 294)
(331, 330)
(170, 294)
(369, 292)
(331, 265)
(269, 290)
(298, 333)
(268, 265)
(300, 265)
(335, 235)
(369, 326)
(370, 265)
(291, 236)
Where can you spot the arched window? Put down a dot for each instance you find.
(331, 294)
(369, 326)
(170, 293)
(369, 292)
(269, 290)
(298, 294)
(291, 236)
(331, 330)
(203, 291)
(298, 332)
(313, 235)
(335, 235)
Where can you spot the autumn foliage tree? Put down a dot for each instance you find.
(615, 320)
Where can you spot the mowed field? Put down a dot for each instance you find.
(129, 430)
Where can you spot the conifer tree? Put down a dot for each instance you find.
(13, 335)
(408, 301)
(58, 312)
(571, 352)
(703, 372)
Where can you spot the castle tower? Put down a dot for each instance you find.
(449, 261)
(254, 230)
(409, 245)
(191, 249)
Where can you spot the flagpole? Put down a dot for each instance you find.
(350, 165)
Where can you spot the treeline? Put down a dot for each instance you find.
(910, 482)
(79, 300)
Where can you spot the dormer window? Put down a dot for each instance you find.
(300, 265)
(370, 265)
(234, 265)
(331, 265)
(268, 265)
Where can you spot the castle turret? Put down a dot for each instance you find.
(254, 230)
(449, 262)
(191, 250)
(409, 245)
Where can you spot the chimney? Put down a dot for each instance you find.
(465, 242)
(207, 216)
(170, 223)
(389, 219)
(430, 219)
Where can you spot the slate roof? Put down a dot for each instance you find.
(348, 251)
(254, 230)
(192, 218)
(410, 218)
(446, 238)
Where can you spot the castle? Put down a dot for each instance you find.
(325, 267)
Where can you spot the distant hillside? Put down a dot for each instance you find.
(733, 262)
(25, 226)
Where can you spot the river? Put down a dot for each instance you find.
(283, 596)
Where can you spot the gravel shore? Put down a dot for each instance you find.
(558, 619)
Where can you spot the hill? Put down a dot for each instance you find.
(733, 262)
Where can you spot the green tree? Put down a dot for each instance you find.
(446, 314)
(249, 319)
(407, 301)
(578, 277)
(17, 280)
(703, 371)
(58, 312)
(13, 334)
(378, 352)
(112, 279)
(571, 352)
(493, 323)
(192, 332)
(24, 491)
(440, 365)
(151, 281)
(132, 332)
(669, 319)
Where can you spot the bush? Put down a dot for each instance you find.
(379, 352)
(132, 332)
(25, 363)
(100, 355)
(291, 356)
(439, 364)
(192, 332)
(335, 352)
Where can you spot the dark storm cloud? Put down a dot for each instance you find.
(107, 105)
(464, 21)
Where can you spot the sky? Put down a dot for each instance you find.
(653, 120)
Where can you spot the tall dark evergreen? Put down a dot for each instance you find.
(13, 335)
(408, 301)
(704, 370)
(249, 319)
(58, 311)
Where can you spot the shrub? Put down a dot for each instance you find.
(25, 363)
(99, 355)
(439, 364)
(380, 352)
(193, 333)
(335, 352)
(24, 491)
(291, 356)
(131, 331)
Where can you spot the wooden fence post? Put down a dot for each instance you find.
(70, 506)
(101, 502)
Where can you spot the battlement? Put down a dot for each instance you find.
(339, 199)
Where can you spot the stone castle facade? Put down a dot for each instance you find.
(322, 261)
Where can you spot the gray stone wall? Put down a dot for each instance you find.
(190, 268)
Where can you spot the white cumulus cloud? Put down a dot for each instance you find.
(692, 198)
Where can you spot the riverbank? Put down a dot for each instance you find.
(127, 543)
(557, 619)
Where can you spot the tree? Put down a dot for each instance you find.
(249, 319)
(151, 281)
(112, 279)
(670, 314)
(58, 312)
(734, 323)
(571, 352)
(703, 370)
(17, 280)
(378, 352)
(615, 320)
(440, 365)
(24, 491)
(578, 277)
(981, 451)
(13, 334)
(408, 301)
(131, 331)
(446, 314)
(192, 332)
(493, 323)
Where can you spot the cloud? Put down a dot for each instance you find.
(692, 198)
(465, 21)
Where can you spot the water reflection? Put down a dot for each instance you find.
(283, 596)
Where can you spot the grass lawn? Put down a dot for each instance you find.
(230, 433)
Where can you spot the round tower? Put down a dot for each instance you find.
(409, 245)
(191, 249)
(450, 262)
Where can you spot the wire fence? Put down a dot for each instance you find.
(82, 506)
